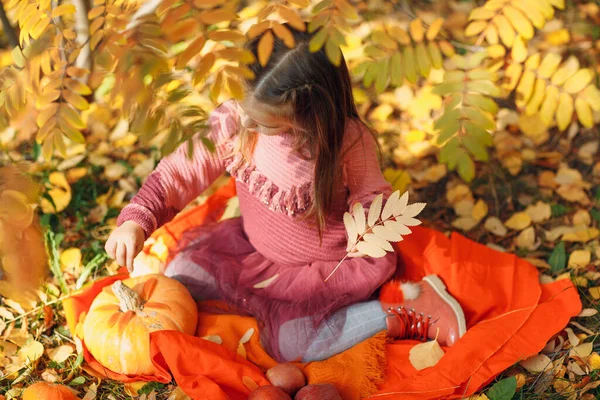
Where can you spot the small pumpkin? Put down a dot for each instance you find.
(48, 391)
(117, 327)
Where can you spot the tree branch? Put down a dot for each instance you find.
(9, 31)
(82, 28)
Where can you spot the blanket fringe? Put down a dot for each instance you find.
(358, 373)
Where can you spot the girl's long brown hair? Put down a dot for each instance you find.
(317, 97)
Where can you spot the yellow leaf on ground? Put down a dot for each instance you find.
(31, 352)
(60, 194)
(70, 260)
(60, 354)
(425, 355)
(494, 225)
(594, 361)
(582, 350)
(594, 292)
(580, 259)
(583, 235)
(582, 218)
(480, 210)
(526, 239)
(539, 212)
(556, 38)
(518, 221)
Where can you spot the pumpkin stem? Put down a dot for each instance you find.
(129, 300)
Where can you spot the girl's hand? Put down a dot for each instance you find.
(353, 253)
(125, 243)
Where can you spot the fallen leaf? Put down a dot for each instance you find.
(31, 352)
(582, 218)
(526, 239)
(70, 261)
(495, 226)
(582, 350)
(579, 259)
(178, 394)
(246, 337)
(573, 339)
(480, 210)
(594, 361)
(587, 312)
(60, 193)
(537, 363)
(581, 234)
(60, 354)
(425, 355)
(213, 338)
(465, 223)
(518, 221)
(458, 193)
(50, 375)
(539, 212)
(115, 171)
(594, 292)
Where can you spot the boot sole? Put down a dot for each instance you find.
(440, 288)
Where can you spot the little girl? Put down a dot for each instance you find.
(301, 156)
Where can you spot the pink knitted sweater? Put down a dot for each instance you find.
(274, 189)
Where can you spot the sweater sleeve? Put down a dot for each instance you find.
(177, 180)
(361, 171)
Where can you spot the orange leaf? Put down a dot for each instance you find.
(193, 49)
(216, 16)
(284, 34)
(292, 17)
(265, 48)
(75, 100)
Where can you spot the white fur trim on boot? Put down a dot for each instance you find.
(410, 290)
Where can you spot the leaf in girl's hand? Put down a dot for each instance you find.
(350, 228)
(425, 355)
(378, 241)
(398, 227)
(375, 210)
(370, 249)
(413, 210)
(401, 205)
(358, 212)
(408, 221)
(390, 204)
(387, 234)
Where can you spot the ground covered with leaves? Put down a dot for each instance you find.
(535, 194)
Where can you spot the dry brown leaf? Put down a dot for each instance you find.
(178, 394)
(425, 355)
(573, 339)
(50, 375)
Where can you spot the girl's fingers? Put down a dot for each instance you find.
(111, 248)
(121, 254)
(131, 253)
(356, 254)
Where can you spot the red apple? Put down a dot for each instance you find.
(324, 391)
(287, 377)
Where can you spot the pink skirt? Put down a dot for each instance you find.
(222, 262)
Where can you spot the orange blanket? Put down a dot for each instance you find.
(509, 314)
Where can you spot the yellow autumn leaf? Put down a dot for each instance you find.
(518, 221)
(60, 194)
(582, 350)
(519, 50)
(564, 111)
(579, 81)
(594, 361)
(70, 260)
(526, 239)
(60, 354)
(495, 226)
(584, 112)
(31, 352)
(539, 212)
(559, 37)
(549, 65)
(425, 355)
(566, 71)
(416, 30)
(265, 48)
(580, 259)
(594, 292)
(519, 21)
(434, 29)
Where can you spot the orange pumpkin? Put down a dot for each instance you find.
(48, 391)
(117, 327)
